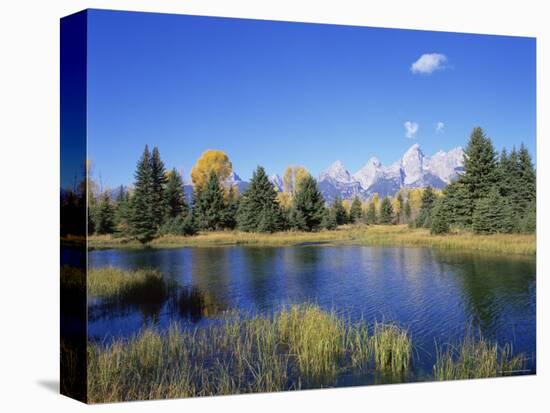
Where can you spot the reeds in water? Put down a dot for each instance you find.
(476, 358)
(302, 346)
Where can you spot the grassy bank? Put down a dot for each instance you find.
(386, 235)
(302, 346)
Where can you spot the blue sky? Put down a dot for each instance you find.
(277, 93)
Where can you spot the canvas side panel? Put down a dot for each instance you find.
(73, 190)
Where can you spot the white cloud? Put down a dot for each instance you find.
(439, 127)
(410, 129)
(428, 63)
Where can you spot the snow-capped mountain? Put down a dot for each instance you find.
(277, 182)
(235, 180)
(337, 181)
(413, 170)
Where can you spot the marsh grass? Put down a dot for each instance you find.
(384, 235)
(139, 286)
(476, 358)
(301, 346)
(392, 348)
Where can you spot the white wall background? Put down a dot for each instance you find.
(29, 178)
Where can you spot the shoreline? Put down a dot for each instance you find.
(375, 235)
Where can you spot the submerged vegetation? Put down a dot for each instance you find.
(299, 347)
(524, 244)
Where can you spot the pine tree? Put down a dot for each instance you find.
(232, 202)
(386, 211)
(527, 180)
(143, 226)
(480, 168)
(455, 205)
(174, 197)
(439, 221)
(428, 202)
(179, 218)
(329, 220)
(356, 210)
(122, 212)
(259, 210)
(158, 174)
(338, 211)
(104, 219)
(309, 206)
(210, 205)
(371, 218)
(492, 214)
(528, 223)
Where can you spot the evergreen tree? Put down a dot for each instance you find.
(179, 225)
(480, 168)
(455, 204)
(210, 205)
(259, 210)
(308, 208)
(329, 220)
(527, 180)
(143, 226)
(428, 202)
(174, 197)
(528, 223)
(104, 219)
(122, 212)
(158, 174)
(439, 221)
(371, 218)
(339, 212)
(386, 211)
(492, 214)
(232, 202)
(356, 210)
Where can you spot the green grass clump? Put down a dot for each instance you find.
(392, 348)
(476, 358)
(316, 337)
(137, 286)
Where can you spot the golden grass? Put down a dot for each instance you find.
(477, 358)
(299, 346)
(132, 286)
(385, 235)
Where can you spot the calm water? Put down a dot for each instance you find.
(437, 295)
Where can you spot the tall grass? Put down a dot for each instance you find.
(392, 348)
(386, 235)
(131, 286)
(301, 346)
(476, 358)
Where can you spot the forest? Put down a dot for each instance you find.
(496, 193)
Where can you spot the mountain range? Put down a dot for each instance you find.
(412, 170)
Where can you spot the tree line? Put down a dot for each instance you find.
(492, 194)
